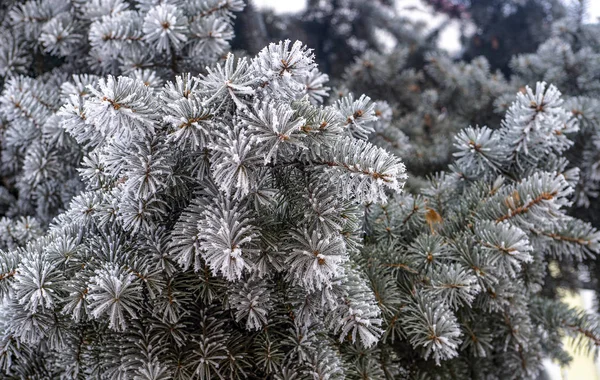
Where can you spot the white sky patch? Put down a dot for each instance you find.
(388, 41)
(450, 38)
(553, 370)
(281, 6)
(593, 10)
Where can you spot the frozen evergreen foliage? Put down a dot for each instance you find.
(51, 51)
(228, 200)
(574, 69)
(459, 269)
(429, 104)
(570, 59)
(173, 211)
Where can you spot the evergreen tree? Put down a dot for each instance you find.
(233, 183)
(174, 211)
(460, 269)
(574, 69)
